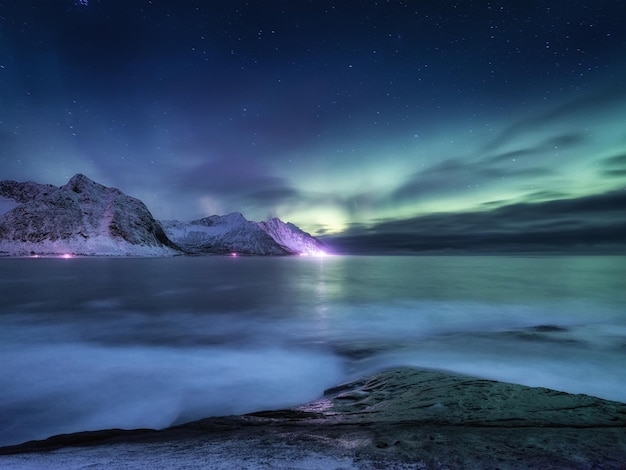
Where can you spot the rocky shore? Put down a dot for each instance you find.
(399, 418)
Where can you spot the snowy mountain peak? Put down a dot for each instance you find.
(233, 219)
(79, 183)
(233, 233)
(292, 238)
(227, 234)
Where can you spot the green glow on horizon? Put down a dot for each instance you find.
(562, 157)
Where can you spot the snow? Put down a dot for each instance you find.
(292, 238)
(224, 455)
(94, 246)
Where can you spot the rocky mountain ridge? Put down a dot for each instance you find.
(233, 234)
(86, 218)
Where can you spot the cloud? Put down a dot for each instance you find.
(233, 184)
(563, 141)
(229, 176)
(539, 196)
(572, 139)
(586, 108)
(597, 221)
(274, 196)
(456, 175)
(614, 166)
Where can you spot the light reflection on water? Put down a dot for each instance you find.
(96, 343)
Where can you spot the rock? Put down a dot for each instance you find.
(400, 418)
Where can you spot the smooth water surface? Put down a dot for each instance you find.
(93, 343)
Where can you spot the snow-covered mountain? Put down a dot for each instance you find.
(87, 218)
(230, 233)
(234, 234)
(291, 238)
(82, 217)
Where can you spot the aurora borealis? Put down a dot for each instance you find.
(402, 124)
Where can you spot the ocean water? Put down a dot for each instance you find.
(93, 343)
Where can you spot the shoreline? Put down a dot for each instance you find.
(404, 417)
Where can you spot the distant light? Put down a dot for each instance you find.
(317, 253)
(66, 256)
(234, 255)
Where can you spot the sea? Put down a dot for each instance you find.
(98, 343)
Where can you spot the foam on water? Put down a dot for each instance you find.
(150, 343)
(61, 388)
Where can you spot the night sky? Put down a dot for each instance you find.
(389, 125)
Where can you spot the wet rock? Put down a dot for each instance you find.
(406, 418)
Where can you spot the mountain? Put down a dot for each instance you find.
(234, 234)
(291, 238)
(24, 192)
(86, 218)
(216, 234)
(82, 217)
(14, 193)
